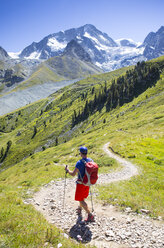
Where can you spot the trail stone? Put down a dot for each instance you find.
(112, 218)
(128, 210)
(109, 233)
(145, 211)
(128, 234)
(95, 236)
(128, 221)
(101, 238)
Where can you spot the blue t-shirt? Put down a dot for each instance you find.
(81, 167)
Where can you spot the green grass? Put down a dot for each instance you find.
(138, 136)
(43, 74)
(22, 226)
(135, 131)
(72, 68)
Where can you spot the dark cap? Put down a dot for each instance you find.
(83, 150)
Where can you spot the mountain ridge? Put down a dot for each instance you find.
(154, 44)
(103, 50)
(74, 49)
(73, 63)
(3, 54)
(100, 49)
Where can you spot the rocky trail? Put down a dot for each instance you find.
(112, 228)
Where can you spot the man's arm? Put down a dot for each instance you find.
(72, 173)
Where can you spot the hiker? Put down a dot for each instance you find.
(82, 191)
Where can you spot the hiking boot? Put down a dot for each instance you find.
(90, 218)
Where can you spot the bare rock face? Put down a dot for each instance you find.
(3, 54)
(74, 49)
(154, 44)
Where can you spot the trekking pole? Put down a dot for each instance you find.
(91, 200)
(65, 185)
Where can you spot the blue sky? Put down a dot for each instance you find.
(25, 21)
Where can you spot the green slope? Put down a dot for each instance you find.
(135, 131)
(57, 69)
(72, 67)
(41, 75)
(11, 73)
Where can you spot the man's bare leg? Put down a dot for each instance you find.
(84, 205)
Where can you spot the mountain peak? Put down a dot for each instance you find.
(160, 30)
(90, 27)
(74, 49)
(3, 54)
(154, 44)
(98, 47)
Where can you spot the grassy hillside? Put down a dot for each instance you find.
(41, 75)
(51, 118)
(57, 69)
(12, 72)
(72, 67)
(40, 139)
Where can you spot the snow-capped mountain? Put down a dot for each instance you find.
(74, 62)
(102, 49)
(154, 44)
(90, 38)
(13, 69)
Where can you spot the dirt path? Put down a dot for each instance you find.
(112, 228)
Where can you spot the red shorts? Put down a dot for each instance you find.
(82, 192)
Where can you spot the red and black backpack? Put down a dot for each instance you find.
(91, 173)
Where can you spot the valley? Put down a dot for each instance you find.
(19, 98)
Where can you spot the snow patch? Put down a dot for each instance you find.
(139, 43)
(117, 57)
(55, 45)
(98, 64)
(34, 55)
(14, 55)
(98, 45)
(79, 38)
(102, 37)
(90, 37)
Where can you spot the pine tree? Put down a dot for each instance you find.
(109, 102)
(34, 133)
(2, 154)
(93, 90)
(56, 141)
(86, 110)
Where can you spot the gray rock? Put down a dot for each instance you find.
(109, 233)
(145, 211)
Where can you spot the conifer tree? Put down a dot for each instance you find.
(56, 141)
(2, 154)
